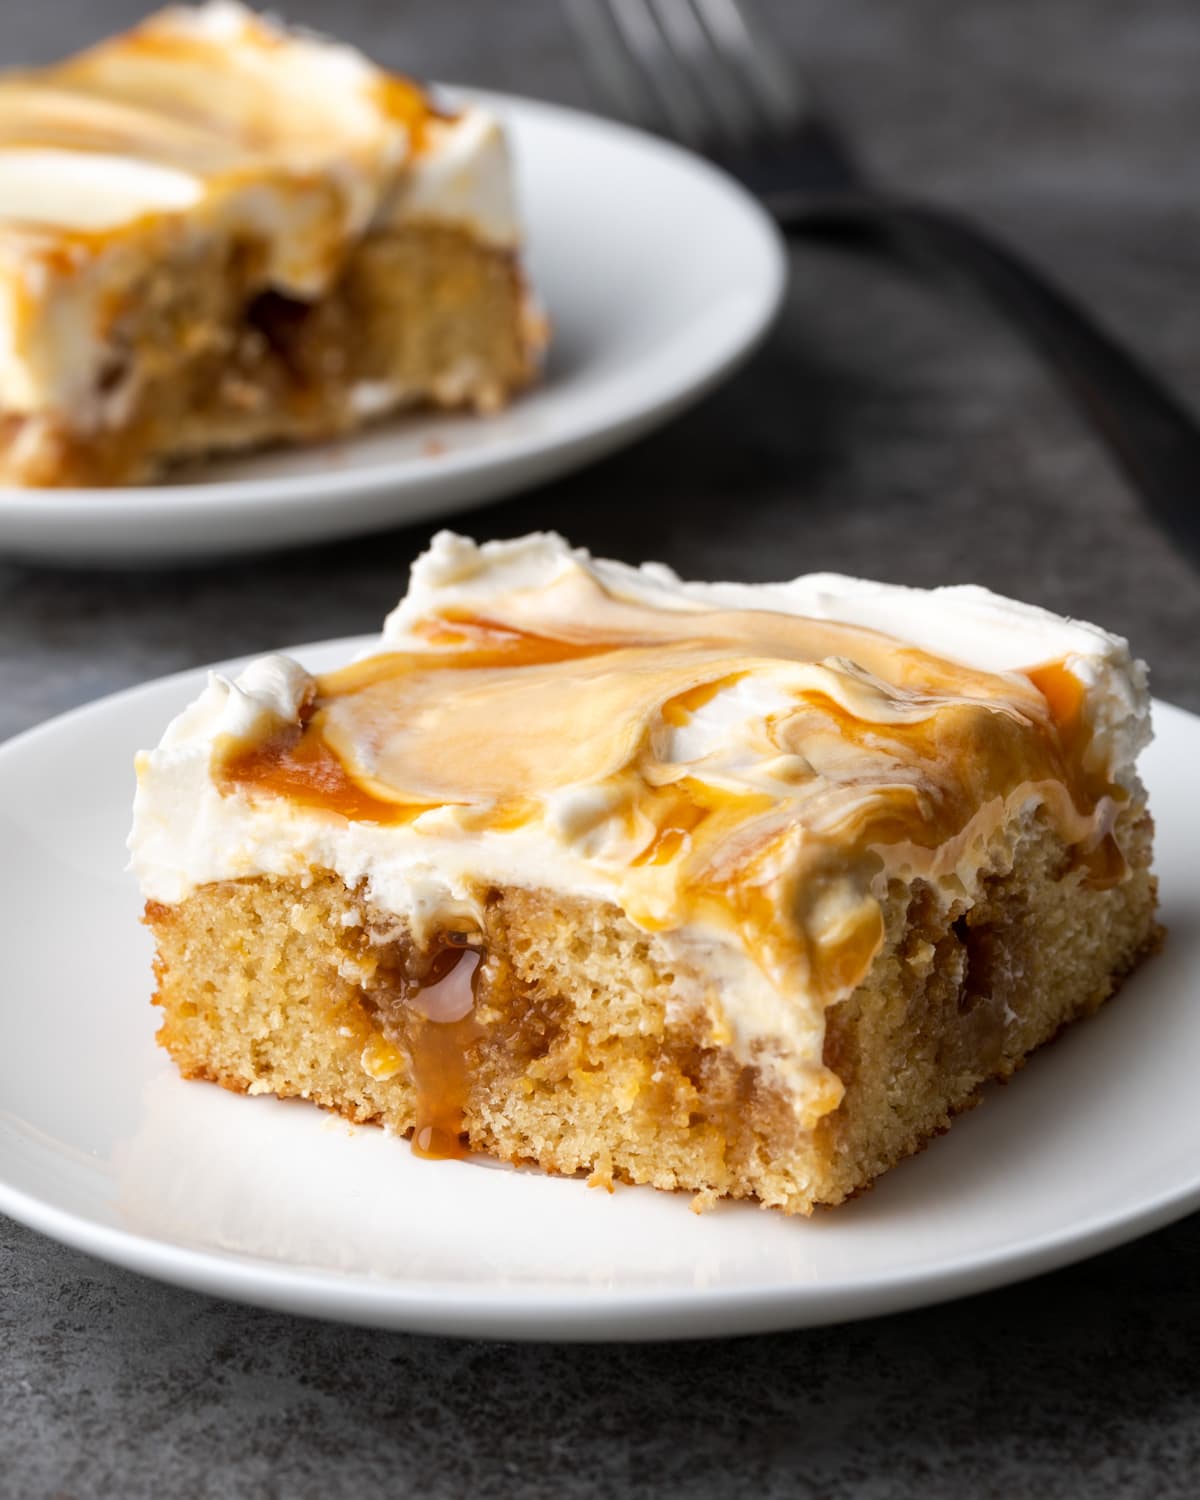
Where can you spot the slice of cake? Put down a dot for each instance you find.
(739, 889)
(215, 233)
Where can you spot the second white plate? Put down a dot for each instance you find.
(659, 274)
(103, 1146)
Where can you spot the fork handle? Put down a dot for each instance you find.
(1148, 430)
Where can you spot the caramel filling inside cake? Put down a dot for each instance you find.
(200, 357)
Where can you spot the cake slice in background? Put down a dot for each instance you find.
(744, 890)
(215, 233)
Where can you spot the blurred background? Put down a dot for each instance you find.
(891, 426)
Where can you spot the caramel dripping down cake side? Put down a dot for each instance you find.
(743, 890)
(216, 233)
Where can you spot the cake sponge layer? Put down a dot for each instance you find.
(421, 315)
(553, 1033)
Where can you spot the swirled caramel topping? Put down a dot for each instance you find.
(746, 770)
(211, 92)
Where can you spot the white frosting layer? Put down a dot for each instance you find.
(209, 124)
(188, 832)
(464, 178)
(88, 190)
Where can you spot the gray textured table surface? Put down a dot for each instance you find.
(888, 428)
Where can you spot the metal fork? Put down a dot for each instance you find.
(701, 72)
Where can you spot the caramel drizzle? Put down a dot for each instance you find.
(439, 1054)
(301, 767)
(182, 100)
(160, 74)
(427, 1014)
(927, 749)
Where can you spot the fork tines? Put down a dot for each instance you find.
(698, 70)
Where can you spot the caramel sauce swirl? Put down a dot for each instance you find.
(209, 102)
(758, 772)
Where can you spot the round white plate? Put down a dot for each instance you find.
(103, 1146)
(659, 275)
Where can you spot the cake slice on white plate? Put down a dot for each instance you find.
(743, 890)
(216, 233)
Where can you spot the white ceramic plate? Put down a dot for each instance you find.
(659, 274)
(104, 1147)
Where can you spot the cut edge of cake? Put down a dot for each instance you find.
(543, 1025)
